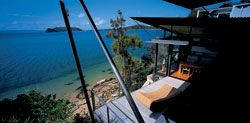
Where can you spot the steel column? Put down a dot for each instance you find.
(67, 23)
(164, 34)
(112, 63)
(156, 57)
(170, 48)
(93, 99)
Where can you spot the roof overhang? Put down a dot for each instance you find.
(194, 22)
(191, 4)
(173, 42)
(165, 23)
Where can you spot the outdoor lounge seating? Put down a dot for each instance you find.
(124, 112)
(151, 99)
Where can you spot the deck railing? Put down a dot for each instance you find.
(108, 110)
(112, 63)
(108, 56)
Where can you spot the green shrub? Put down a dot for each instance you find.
(80, 119)
(34, 107)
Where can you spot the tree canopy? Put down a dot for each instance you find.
(122, 47)
(33, 107)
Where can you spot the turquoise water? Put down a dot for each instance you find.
(44, 61)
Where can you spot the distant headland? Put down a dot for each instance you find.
(62, 29)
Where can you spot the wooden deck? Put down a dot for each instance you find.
(120, 110)
(190, 70)
(164, 73)
(182, 76)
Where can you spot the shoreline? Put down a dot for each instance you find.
(107, 89)
(26, 71)
(65, 84)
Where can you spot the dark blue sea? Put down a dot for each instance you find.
(44, 61)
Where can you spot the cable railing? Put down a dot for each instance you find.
(112, 63)
(109, 110)
(75, 53)
(108, 56)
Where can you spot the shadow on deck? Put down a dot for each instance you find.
(119, 110)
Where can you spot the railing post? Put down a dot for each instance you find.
(67, 23)
(171, 33)
(164, 34)
(198, 13)
(93, 99)
(170, 48)
(112, 63)
(108, 114)
(156, 57)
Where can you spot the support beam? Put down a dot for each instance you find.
(108, 114)
(67, 23)
(164, 35)
(156, 57)
(93, 98)
(190, 30)
(171, 32)
(198, 13)
(190, 33)
(112, 63)
(170, 49)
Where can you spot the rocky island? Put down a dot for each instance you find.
(62, 29)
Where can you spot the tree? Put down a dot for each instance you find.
(34, 107)
(122, 46)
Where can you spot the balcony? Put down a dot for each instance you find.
(119, 109)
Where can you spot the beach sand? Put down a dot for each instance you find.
(107, 89)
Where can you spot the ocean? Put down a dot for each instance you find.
(44, 61)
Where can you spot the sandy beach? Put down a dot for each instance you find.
(107, 89)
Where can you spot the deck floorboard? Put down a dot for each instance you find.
(122, 108)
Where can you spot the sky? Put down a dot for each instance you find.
(42, 14)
